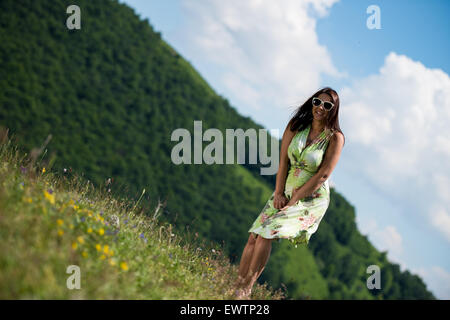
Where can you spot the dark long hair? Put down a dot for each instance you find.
(303, 115)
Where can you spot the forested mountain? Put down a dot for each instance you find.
(111, 94)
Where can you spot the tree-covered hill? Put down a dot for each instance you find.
(111, 94)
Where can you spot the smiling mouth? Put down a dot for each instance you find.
(319, 113)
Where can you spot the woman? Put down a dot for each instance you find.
(311, 144)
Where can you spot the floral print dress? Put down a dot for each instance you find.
(298, 222)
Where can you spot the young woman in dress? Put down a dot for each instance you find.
(310, 149)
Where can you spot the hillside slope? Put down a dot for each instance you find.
(51, 226)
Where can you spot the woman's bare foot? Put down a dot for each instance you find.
(239, 282)
(242, 294)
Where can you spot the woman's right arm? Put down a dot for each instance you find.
(279, 197)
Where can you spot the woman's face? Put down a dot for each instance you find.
(319, 113)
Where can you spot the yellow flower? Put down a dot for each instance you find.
(89, 230)
(71, 202)
(106, 249)
(112, 262)
(43, 170)
(101, 231)
(80, 239)
(49, 197)
(98, 247)
(59, 222)
(60, 233)
(71, 226)
(102, 257)
(124, 266)
(74, 245)
(84, 254)
(29, 200)
(111, 252)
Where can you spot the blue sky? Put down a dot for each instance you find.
(395, 100)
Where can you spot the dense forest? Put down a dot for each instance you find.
(111, 93)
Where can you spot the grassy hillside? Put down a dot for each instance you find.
(49, 224)
(111, 94)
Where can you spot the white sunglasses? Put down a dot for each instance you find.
(326, 104)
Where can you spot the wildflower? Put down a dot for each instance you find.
(84, 254)
(112, 262)
(89, 230)
(101, 231)
(43, 170)
(50, 197)
(59, 222)
(106, 249)
(65, 170)
(23, 169)
(98, 247)
(74, 245)
(71, 226)
(102, 257)
(21, 184)
(124, 266)
(80, 239)
(115, 221)
(60, 233)
(82, 219)
(110, 233)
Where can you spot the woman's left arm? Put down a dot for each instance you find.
(327, 166)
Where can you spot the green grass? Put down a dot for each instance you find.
(49, 221)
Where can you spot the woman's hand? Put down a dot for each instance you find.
(290, 203)
(279, 200)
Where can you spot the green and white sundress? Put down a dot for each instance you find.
(298, 222)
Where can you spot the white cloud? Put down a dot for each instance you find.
(386, 239)
(396, 125)
(268, 50)
(437, 280)
(389, 239)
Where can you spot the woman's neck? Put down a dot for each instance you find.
(317, 126)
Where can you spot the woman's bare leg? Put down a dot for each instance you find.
(246, 258)
(261, 254)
